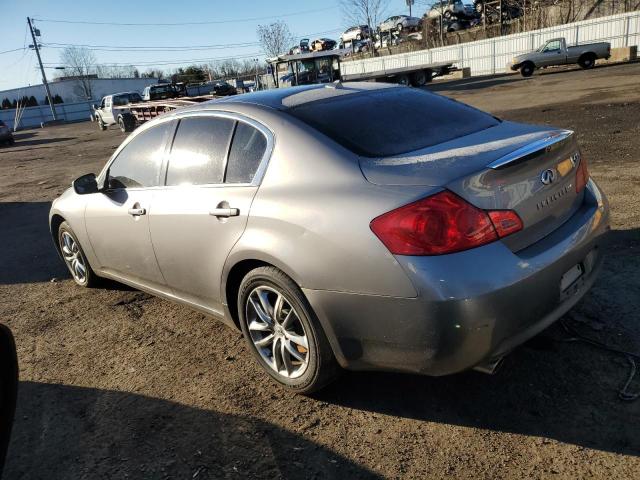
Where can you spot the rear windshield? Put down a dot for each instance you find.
(391, 121)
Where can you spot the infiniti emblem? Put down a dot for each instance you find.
(548, 176)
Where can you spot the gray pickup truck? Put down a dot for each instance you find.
(555, 52)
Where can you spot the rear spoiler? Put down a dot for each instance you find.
(532, 148)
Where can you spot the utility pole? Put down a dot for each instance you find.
(44, 77)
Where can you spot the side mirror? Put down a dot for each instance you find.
(86, 184)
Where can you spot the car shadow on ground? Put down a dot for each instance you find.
(474, 83)
(24, 135)
(28, 254)
(42, 141)
(72, 432)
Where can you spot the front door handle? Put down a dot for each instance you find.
(225, 212)
(136, 212)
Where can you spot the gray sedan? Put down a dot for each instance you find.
(363, 226)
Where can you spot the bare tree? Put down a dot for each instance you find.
(364, 12)
(275, 38)
(79, 62)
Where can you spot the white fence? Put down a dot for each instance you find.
(486, 57)
(34, 116)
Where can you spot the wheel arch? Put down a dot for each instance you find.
(54, 224)
(237, 270)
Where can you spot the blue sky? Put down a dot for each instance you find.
(20, 68)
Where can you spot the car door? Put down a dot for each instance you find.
(551, 54)
(107, 112)
(117, 218)
(212, 175)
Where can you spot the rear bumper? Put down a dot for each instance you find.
(472, 306)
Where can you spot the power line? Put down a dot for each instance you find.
(123, 48)
(149, 63)
(211, 22)
(14, 50)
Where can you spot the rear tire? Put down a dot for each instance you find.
(419, 78)
(74, 257)
(587, 61)
(127, 123)
(527, 69)
(283, 333)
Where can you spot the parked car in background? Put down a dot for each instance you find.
(321, 44)
(494, 11)
(457, 24)
(399, 23)
(358, 33)
(160, 91)
(6, 137)
(223, 89)
(302, 47)
(447, 9)
(110, 111)
(486, 233)
(555, 52)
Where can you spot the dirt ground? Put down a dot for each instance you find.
(118, 384)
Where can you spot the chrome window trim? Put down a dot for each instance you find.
(258, 176)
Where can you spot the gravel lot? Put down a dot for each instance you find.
(118, 384)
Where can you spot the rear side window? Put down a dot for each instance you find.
(392, 121)
(138, 163)
(199, 151)
(247, 149)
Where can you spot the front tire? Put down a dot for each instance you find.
(101, 124)
(74, 257)
(527, 70)
(283, 333)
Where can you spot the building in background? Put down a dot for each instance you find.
(73, 90)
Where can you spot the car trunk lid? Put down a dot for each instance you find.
(528, 169)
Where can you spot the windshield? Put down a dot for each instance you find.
(392, 121)
(160, 89)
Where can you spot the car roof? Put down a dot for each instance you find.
(285, 98)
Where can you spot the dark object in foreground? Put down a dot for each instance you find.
(8, 389)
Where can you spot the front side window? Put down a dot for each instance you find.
(552, 46)
(247, 150)
(138, 163)
(199, 151)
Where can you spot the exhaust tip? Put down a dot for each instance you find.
(490, 367)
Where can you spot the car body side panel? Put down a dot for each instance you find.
(312, 214)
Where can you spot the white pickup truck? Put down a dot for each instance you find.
(113, 110)
(555, 52)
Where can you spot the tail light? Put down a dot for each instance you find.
(582, 175)
(442, 223)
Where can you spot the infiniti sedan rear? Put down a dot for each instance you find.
(362, 226)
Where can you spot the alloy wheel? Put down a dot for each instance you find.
(277, 332)
(73, 257)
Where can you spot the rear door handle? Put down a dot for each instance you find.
(225, 212)
(136, 212)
